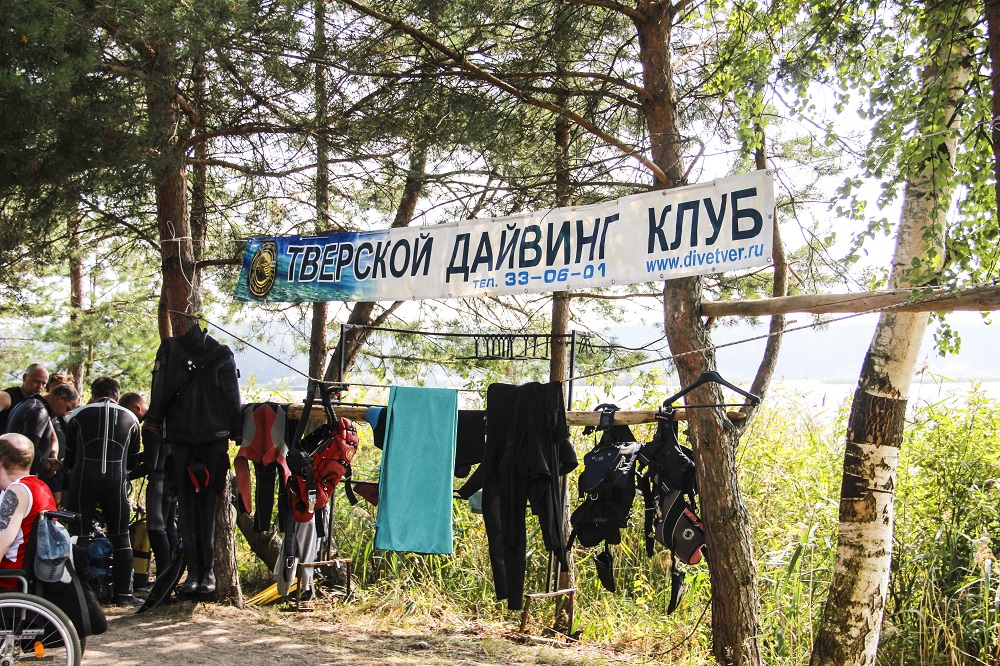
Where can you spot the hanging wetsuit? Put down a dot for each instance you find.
(195, 406)
(265, 433)
(161, 498)
(102, 445)
(527, 451)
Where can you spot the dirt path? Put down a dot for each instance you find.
(194, 634)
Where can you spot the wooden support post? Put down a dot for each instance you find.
(974, 299)
(569, 594)
(300, 571)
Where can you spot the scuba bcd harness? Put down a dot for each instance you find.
(608, 486)
(321, 459)
(669, 487)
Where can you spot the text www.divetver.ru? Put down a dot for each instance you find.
(707, 258)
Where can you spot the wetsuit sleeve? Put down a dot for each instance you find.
(158, 390)
(230, 384)
(73, 443)
(134, 449)
(36, 427)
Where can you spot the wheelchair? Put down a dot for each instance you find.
(33, 629)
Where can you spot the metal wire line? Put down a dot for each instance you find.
(923, 299)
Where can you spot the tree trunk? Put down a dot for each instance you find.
(318, 332)
(560, 352)
(732, 567)
(852, 619)
(75, 300)
(347, 349)
(180, 293)
(265, 545)
(199, 173)
(227, 579)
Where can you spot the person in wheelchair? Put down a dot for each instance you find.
(24, 497)
(53, 626)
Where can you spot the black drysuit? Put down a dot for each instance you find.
(195, 406)
(102, 445)
(527, 451)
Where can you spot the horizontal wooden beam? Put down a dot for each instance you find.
(590, 418)
(975, 299)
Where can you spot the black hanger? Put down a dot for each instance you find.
(704, 378)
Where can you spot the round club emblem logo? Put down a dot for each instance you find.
(263, 269)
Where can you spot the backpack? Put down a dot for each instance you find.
(56, 576)
(98, 571)
(669, 489)
(607, 485)
(53, 549)
(319, 460)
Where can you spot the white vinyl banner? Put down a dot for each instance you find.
(719, 226)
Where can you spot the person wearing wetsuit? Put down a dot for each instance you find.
(33, 381)
(58, 480)
(103, 445)
(195, 407)
(161, 491)
(33, 419)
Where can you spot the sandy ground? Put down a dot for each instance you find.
(191, 634)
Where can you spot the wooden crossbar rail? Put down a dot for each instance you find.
(591, 418)
(975, 299)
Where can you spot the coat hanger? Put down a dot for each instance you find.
(704, 378)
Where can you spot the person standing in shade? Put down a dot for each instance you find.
(103, 445)
(33, 382)
(57, 480)
(33, 419)
(161, 491)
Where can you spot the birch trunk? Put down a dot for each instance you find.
(852, 619)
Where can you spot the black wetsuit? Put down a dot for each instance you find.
(32, 419)
(102, 445)
(16, 398)
(527, 451)
(195, 407)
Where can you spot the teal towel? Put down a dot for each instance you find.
(415, 485)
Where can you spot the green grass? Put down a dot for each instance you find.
(944, 600)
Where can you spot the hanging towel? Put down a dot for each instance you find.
(415, 487)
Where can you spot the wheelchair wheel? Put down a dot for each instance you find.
(33, 630)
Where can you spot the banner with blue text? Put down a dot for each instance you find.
(695, 230)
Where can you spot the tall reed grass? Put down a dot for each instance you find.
(944, 605)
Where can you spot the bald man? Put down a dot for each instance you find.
(33, 382)
(23, 498)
